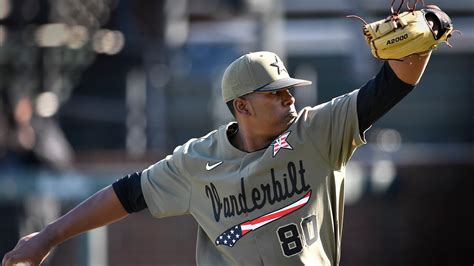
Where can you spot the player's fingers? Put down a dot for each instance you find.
(14, 259)
(6, 258)
(11, 259)
(17, 261)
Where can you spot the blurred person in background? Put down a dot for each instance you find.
(29, 144)
(28, 139)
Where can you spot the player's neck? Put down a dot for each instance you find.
(248, 141)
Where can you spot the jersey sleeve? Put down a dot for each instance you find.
(333, 128)
(166, 186)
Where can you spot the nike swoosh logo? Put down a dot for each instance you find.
(209, 167)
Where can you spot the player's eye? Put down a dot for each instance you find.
(267, 92)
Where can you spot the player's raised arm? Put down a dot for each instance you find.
(406, 41)
(101, 209)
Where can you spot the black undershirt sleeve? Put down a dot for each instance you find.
(379, 95)
(129, 192)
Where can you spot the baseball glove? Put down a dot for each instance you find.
(410, 32)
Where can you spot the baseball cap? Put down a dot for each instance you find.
(258, 71)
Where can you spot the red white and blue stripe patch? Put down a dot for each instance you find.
(233, 234)
(281, 143)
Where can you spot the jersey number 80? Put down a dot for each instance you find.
(290, 237)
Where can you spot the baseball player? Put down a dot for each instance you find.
(266, 189)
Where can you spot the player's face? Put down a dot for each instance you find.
(273, 111)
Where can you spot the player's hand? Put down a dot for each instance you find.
(31, 249)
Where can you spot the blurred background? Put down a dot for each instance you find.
(91, 90)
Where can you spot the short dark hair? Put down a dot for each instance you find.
(230, 105)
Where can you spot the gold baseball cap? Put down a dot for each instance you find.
(258, 71)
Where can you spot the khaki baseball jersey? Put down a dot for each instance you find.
(282, 205)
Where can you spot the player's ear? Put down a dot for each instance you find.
(241, 106)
